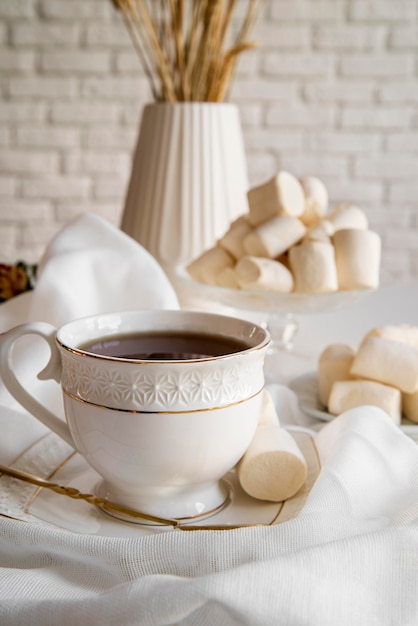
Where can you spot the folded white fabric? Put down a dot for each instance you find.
(93, 267)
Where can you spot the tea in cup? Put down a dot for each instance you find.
(162, 404)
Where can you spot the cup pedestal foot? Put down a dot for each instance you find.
(185, 506)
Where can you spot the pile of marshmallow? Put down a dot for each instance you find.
(288, 241)
(382, 372)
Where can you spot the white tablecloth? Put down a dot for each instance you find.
(349, 558)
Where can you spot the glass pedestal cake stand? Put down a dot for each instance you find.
(278, 312)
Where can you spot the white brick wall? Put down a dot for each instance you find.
(332, 90)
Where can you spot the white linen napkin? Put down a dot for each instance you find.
(349, 558)
(93, 267)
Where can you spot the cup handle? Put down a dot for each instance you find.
(51, 371)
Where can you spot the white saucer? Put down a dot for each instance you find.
(306, 389)
(52, 458)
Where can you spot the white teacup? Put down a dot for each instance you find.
(160, 432)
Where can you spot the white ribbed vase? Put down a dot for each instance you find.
(189, 179)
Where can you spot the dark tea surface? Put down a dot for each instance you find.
(164, 346)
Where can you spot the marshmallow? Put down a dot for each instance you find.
(349, 394)
(273, 467)
(313, 266)
(233, 238)
(405, 333)
(322, 231)
(316, 199)
(347, 215)
(227, 278)
(209, 264)
(387, 361)
(274, 237)
(260, 274)
(268, 411)
(281, 195)
(334, 364)
(357, 255)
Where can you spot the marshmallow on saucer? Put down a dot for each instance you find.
(209, 264)
(387, 361)
(348, 394)
(405, 333)
(274, 237)
(313, 267)
(334, 364)
(261, 274)
(273, 468)
(357, 255)
(316, 200)
(281, 195)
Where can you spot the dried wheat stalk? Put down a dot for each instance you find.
(187, 47)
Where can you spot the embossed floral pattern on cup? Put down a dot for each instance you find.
(156, 386)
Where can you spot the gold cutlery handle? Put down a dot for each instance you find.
(72, 492)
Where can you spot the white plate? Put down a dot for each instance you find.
(270, 301)
(52, 458)
(306, 389)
